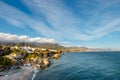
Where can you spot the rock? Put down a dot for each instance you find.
(56, 56)
(46, 62)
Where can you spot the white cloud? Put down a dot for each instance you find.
(63, 20)
(63, 23)
(6, 37)
(18, 18)
(13, 21)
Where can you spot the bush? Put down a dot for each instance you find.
(5, 61)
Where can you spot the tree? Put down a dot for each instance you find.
(6, 51)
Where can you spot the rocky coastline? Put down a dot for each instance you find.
(26, 62)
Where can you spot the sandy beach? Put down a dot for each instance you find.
(23, 74)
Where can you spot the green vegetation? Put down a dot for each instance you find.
(15, 51)
(30, 57)
(41, 55)
(5, 51)
(6, 61)
(18, 56)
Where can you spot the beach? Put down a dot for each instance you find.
(23, 74)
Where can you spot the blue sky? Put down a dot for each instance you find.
(92, 23)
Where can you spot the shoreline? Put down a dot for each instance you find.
(35, 73)
(22, 74)
(25, 73)
(28, 70)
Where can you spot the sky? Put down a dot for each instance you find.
(91, 23)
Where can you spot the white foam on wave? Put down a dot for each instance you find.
(36, 70)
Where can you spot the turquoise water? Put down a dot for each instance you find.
(84, 66)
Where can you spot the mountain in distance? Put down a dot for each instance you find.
(87, 49)
(37, 45)
(55, 46)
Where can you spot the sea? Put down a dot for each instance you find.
(83, 66)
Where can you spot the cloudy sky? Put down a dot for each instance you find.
(92, 23)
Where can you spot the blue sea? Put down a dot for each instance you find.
(83, 66)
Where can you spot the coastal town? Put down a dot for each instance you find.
(59, 39)
(24, 61)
